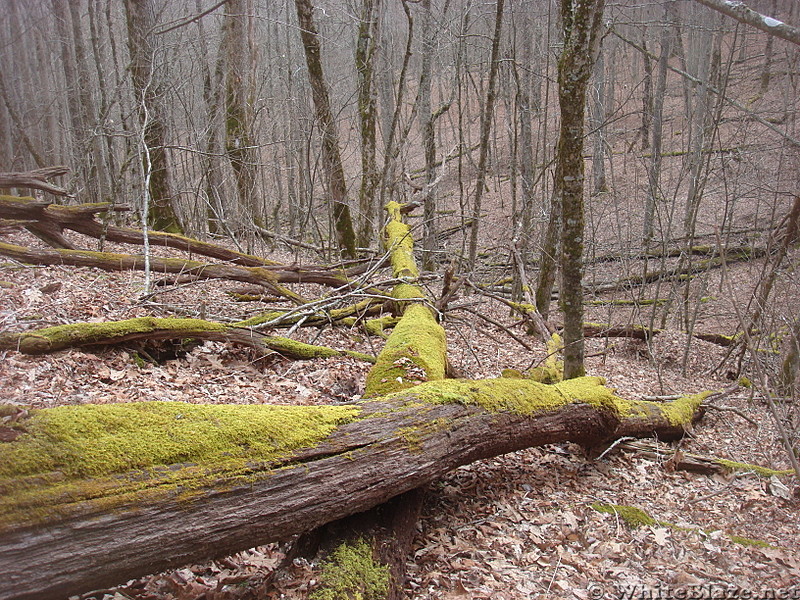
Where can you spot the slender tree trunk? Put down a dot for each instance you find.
(581, 21)
(654, 169)
(74, 95)
(368, 118)
(240, 143)
(486, 128)
(97, 174)
(331, 159)
(598, 117)
(426, 121)
(152, 113)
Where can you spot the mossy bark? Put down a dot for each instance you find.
(416, 351)
(61, 337)
(331, 157)
(135, 495)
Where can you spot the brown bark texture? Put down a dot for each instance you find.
(61, 535)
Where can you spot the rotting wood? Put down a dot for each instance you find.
(63, 533)
(130, 514)
(414, 352)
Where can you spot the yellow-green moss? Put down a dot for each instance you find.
(63, 336)
(634, 517)
(415, 351)
(303, 351)
(766, 472)
(377, 326)
(100, 439)
(351, 573)
(400, 245)
(682, 410)
(523, 397)
(737, 539)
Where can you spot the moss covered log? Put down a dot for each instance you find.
(96, 494)
(61, 337)
(416, 351)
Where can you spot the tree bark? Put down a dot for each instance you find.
(68, 528)
(368, 117)
(744, 14)
(486, 128)
(152, 112)
(240, 139)
(581, 22)
(331, 158)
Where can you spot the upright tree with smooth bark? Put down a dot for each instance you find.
(581, 21)
(331, 158)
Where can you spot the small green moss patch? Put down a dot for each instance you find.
(737, 539)
(351, 573)
(634, 517)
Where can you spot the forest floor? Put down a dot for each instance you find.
(516, 526)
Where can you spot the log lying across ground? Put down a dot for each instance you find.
(94, 495)
(76, 335)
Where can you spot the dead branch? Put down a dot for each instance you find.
(36, 179)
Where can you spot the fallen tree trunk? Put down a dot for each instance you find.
(110, 261)
(97, 494)
(75, 335)
(36, 179)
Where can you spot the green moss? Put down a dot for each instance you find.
(51, 339)
(745, 382)
(634, 517)
(351, 573)
(765, 472)
(749, 542)
(376, 327)
(523, 397)
(682, 410)
(400, 245)
(303, 351)
(416, 351)
(100, 439)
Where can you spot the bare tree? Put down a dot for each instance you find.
(331, 158)
(149, 93)
(486, 129)
(240, 141)
(581, 21)
(368, 114)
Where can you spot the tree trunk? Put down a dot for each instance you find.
(150, 104)
(331, 159)
(240, 142)
(368, 118)
(426, 123)
(657, 126)
(486, 128)
(581, 22)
